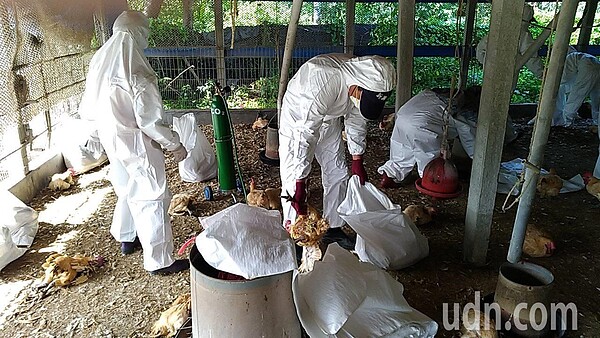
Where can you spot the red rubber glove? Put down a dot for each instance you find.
(299, 201)
(358, 168)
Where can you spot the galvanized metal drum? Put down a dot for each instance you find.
(262, 307)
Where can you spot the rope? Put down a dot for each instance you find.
(526, 164)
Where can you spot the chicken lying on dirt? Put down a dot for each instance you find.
(269, 198)
(307, 232)
(538, 242)
(180, 204)
(593, 187)
(388, 122)
(173, 318)
(62, 270)
(419, 214)
(62, 181)
(478, 325)
(260, 123)
(549, 185)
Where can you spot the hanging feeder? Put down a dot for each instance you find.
(440, 179)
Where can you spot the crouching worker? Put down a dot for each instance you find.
(418, 129)
(326, 90)
(122, 98)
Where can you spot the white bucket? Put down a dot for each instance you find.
(262, 307)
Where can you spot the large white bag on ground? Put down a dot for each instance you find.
(386, 237)
(18, 226)
(200, 163)
(345, 298)
(246, 241)
(81, 149)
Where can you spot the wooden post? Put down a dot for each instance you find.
(188, 15)
(153, 8)
(542, 126)
(493, 111)
(350, 27)
(465, 58)
(405, 49)
(290, 41)
(219, 42)
(586, 25)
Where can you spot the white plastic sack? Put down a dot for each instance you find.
(18, 226)
(201, 163)
(343, 297)
(386, 237)
(510, 173)
(80, 149)
(246, 241)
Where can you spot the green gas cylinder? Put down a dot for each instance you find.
(223, 143)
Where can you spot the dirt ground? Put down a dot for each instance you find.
(123, 300)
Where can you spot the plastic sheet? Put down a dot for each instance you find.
(80, 146)
(510, 173)
(246, 241)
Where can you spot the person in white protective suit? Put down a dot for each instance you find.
(418, 129)
(122, 98)
(580, 79)
(329, 91)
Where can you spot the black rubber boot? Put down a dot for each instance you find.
(177, 266)
(337, 235)
(127, 248)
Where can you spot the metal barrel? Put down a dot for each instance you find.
(223, 143)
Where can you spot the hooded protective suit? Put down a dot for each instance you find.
(122, 97)
(417, 135)
(310, 123)
(580, 79)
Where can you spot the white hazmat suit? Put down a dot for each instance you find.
(580, 79)
(316, 101)
(417, 135)
(123, 99)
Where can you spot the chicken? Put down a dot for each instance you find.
(593, 187)
(269, 198)
(174, 317)
(549, 185)
(307, 232)
(62, 181)
(62, 270)
(260, 123)
(344, 136)
(478, 325)
(180, 204)
(388, 122)
(538, 243)
(419, 214)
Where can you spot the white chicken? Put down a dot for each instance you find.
(307, 232)
(174, 317)
(475, 324)
(260, 123)
(62, 181)
(419, 214)
(593, 187)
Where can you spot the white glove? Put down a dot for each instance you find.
(179, 154)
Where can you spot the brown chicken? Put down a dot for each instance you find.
(419, 214)
(307, 232)
(180, 204)
(538, 242)
(269, 198)
(549, 185)
(478, 325)
(593, 187)
(260, 123)
(174, 317)
(388, 122)
(62, 181)
(62, 270)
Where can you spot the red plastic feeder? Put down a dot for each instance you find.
(440, 179)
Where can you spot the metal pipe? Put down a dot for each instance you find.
(467, 40)
(542, 126)
(535, 46)
(290, 41)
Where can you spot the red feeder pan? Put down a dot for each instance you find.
(440, 179)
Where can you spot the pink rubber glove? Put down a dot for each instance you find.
(358, 168)
(299, 201)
